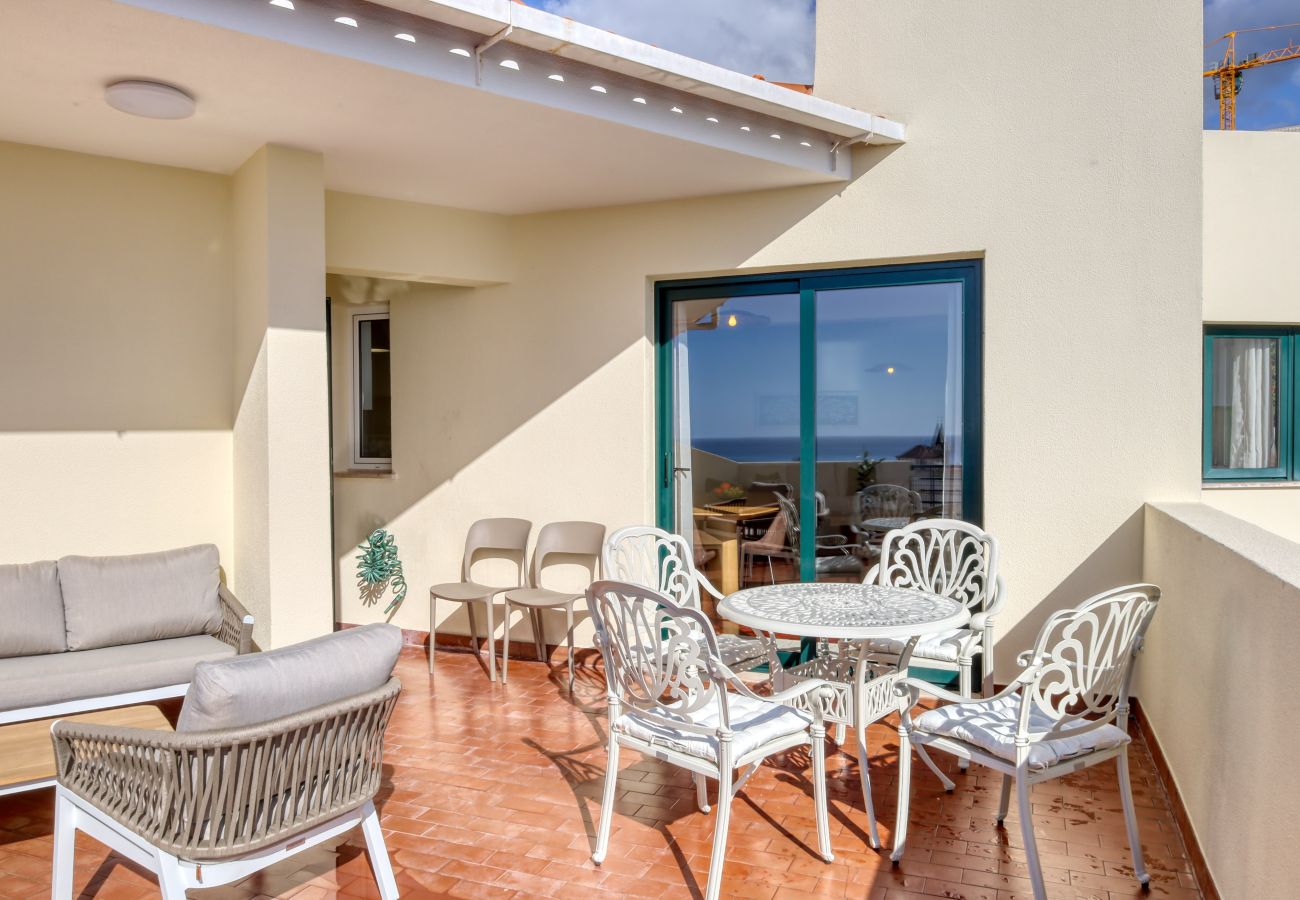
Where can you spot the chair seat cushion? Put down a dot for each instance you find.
(839, 564)
(737, 650)
(540, 597)
(258, 687)
(27, 681)
(942, 646)
(991, 726)
(464, 591)
(754, 723)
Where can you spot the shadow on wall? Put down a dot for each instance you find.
(533, 398)
(1120, 552)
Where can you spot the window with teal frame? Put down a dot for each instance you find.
(813, 393)
(1251, 385)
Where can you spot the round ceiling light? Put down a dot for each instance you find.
(151, 99)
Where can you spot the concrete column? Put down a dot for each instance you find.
(282, 566)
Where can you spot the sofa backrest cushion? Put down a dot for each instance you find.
(31, 610)
(112, 600)
(258, 687)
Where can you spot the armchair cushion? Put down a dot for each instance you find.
(112, 600)
(27, 681)
(941, 646)
(31, 608)
(258, 687)
(991, 726)
(737, 650)
(754, 723)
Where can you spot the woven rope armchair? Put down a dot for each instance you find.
(204, 808)
(236, 622)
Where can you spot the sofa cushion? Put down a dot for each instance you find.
(110, 600)
(27, 681)
(31, 610)
(258, 687)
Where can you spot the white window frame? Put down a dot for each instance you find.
(356, 316)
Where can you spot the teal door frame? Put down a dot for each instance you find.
(969, 273)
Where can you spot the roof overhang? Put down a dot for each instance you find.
(576, 116)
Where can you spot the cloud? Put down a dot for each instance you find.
(773, 38)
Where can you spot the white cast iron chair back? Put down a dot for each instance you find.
(663, 670)
(1068, 710)
(954, 559)
(663, 562)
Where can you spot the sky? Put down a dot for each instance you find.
(1270, 95)
(772, 38)
(776, 39)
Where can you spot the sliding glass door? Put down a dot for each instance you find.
(803, 416)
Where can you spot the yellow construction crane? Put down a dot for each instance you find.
(1227, 74)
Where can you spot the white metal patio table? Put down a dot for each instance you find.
(843, 611)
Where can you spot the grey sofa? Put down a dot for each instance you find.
(95, 632)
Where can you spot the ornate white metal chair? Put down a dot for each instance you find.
(659, 560)
(500, 538)
(1066, 711)
(954, 559)
(668, 699)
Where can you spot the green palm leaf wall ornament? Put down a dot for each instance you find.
(379, 568)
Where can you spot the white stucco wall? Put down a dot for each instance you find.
(1252, 226)
(1084, 203)
(1215, 681)
(115, 425)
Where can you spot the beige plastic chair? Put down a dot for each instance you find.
(499, 538)
(576, 542)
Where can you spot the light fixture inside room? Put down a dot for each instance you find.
(731, 321)
(151, 99)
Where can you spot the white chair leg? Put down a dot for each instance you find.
(1130, 819)
(865, 777)
(904, 793)
(717, 861)
(65, 847)
(964, 686)
(568, 624)
(505, 646)
(948, 783)
(607, 800)
(433, 627)
(170, 882)
(378, 851)
(702, 793)
(819, 794)
(1005, 800)
(1031, 843)
(841, 732)
(491, 641)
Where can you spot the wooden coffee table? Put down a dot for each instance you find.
(27, 753)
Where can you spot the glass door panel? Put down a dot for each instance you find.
(735, 426)
(889, 417)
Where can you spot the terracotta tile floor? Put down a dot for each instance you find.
(493, 791)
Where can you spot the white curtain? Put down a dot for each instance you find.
(683, 483)
(1246, 411)
(952, 413)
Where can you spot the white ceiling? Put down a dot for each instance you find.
(382, 131)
